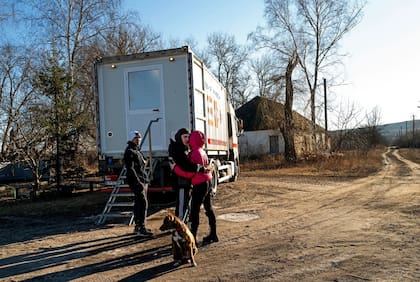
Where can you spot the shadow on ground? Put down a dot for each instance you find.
(51, 257)
(14, 229)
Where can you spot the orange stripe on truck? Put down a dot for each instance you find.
(216, 142)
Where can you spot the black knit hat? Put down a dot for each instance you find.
(180, 132)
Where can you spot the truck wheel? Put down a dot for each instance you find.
(214, 180)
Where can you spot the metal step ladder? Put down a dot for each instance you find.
(120, 202)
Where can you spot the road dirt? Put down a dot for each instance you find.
(271, 228)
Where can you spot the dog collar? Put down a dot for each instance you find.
(178, 229)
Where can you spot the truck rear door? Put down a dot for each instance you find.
(144, 101)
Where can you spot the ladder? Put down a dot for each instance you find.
(120, 203)
(118, 199)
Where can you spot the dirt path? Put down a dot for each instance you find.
(280, 228)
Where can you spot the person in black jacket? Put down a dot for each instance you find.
(136, 178)
(178, 150)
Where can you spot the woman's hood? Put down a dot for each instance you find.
(197, 139)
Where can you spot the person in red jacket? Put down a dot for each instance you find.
(178, 151)
(201, 186)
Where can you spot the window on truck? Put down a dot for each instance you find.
(144, 89)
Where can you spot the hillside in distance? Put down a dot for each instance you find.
(394, 131)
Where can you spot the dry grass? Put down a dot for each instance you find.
(348, 164)
(411, 154)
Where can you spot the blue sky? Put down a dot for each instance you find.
(383, 66)
(198, 18)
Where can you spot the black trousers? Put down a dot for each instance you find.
(200, 195)
(140, 204)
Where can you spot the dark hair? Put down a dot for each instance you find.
(180, 132)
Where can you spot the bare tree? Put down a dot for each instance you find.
(16, 94)
(347, 119)
(69, 25)
(243, 89)
(77, 32)
(265, 72)
(283, 43)
(128, 38)
(315, 27)
(288, 127)
(31, 145)
(23, 138)
(373, 118)
(311, 29)
(373, 133)
(229, 58)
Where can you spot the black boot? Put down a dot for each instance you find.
(212, 237)
(194, 233)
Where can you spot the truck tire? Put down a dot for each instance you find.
(214, 181)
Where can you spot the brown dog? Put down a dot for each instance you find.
(183, 241)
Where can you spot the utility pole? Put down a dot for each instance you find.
(327, 147)
(325, 105)
(413, 131)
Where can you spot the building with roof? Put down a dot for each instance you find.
(263, 119)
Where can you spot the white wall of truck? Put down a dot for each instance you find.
(173, 87)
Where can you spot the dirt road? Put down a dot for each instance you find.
(277, 228)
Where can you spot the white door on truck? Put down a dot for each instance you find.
(144, 103)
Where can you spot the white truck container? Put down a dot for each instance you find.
(164, 90)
